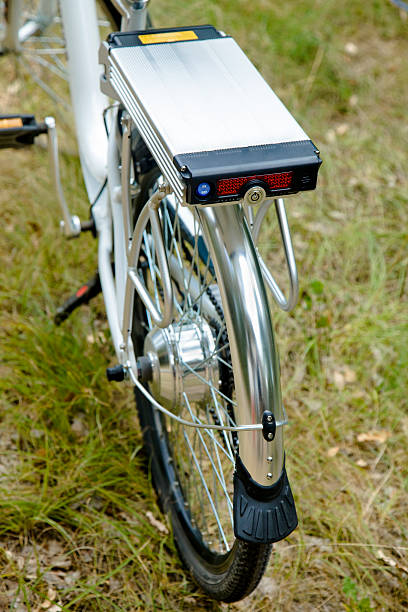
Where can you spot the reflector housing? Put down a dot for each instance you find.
(232, 186)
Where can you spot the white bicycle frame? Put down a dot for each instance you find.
(101, 161)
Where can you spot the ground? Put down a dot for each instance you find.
(79, 524)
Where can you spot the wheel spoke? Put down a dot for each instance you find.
(204, 459)
(204, 483)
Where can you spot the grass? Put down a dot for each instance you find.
(74, 485)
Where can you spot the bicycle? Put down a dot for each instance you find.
(172, 207)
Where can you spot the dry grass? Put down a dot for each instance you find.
(74, 485)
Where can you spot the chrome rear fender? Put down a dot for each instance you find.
(253, 351)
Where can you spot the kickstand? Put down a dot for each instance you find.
(84, 294)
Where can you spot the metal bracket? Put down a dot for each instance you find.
(133, 13)
(268, 425)
(150, 212)
(71, 224)
(289, 303)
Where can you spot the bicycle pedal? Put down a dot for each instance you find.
(17, 131)
(82, 296)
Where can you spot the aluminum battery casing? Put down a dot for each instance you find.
(196, 96)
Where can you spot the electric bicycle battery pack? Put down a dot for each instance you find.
(212, 123)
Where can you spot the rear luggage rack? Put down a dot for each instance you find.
(214, 126)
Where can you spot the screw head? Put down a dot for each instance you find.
(269, 476)
(270, 436)
(269, 459)
(269, 418)
(183, 168)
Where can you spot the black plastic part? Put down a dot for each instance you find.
(144, 369)
(89, 226)
(131, 39)
(113, 13)
(18, 137)
(84, 294)
(268, 425)
(262, 514)
(300, 157)
(143, 161)
(116, 373)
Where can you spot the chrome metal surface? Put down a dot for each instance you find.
(115, 196)
(255, 195)
(205, 416)
(133, 14)
(125, 181)
(289, 303)
(253, 351)
(183, 361)
(71, 224)
(162, 314)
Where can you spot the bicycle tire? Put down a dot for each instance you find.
(225, 573)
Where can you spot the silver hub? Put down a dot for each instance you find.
(183, 361)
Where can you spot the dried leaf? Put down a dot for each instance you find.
(46, 604)
(378, 437)
(51, 594)
(361, 463)
(391, 561)
(339, 380)
(332, 452)
(349, 375)
(61, 561)
(79, 427)
(161, 527)
(72, 577)
(351, 48)
(342, 129)
(54, 547)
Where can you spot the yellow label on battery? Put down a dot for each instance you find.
(11, 122)
(163, 37)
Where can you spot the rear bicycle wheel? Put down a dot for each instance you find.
(193, 377)
(33, 31)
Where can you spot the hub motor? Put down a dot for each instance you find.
(183, 361)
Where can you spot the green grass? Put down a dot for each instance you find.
(74, 484)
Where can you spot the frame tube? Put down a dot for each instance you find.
(82, 42)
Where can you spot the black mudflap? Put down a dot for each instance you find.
(262, 514)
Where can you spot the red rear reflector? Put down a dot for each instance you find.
(231, 186)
